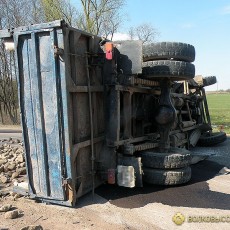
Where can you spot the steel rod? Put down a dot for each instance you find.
(91, 126)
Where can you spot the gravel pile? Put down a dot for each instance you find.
(12, 160)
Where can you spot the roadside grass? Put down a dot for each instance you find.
(219, 109)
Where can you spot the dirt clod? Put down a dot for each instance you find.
(4, 179)
(32, 227)
(22, 171)
(14, 175)
(5, 208)
(20, 158)
(11, 214)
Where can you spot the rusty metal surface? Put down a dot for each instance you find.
(143, 82)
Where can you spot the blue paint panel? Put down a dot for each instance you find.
(47, 111)
(38, 116)
(51, 107)
(27, 111)
(42, 115)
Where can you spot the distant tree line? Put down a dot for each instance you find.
(222, 91)
(99, 17)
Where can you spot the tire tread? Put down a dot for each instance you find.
(169, 50)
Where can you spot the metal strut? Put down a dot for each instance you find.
(165, 115)
(91, 124)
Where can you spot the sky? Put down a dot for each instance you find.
(204, 24)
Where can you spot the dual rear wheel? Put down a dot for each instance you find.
(168, 60)
(170, 168)
(172, 61)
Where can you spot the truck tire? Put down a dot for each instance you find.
(169, 50)
(167, 177)
(177, 70)
(175, 158)
(211, 80)
(208, 139)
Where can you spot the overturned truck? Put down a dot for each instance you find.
(96, 111)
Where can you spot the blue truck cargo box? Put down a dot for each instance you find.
(54, 100)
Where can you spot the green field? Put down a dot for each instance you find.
(219, 109)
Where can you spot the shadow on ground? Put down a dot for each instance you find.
(195, 194)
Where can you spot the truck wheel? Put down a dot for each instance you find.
(167, 177)
(211, 80)
(169, 50)
(177, 70)
(175, 158)
(211, 139)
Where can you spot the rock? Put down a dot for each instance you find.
(15, 149)
(18, 151)
(15, 175)
(4, 179)
(5, 155)
(6, 168)
(224, 171)
(11, 214)
(20, 158)
(14, 180)
(2, 162)
(5, 208)
(11, 155)
(76, 222)
(12, 162)
(14, 158)
(11, 166)
(16, 196)
(12, 193)
(32, 227)
(22, 171)
(21, 185)
(22, 164)
(10, 173)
